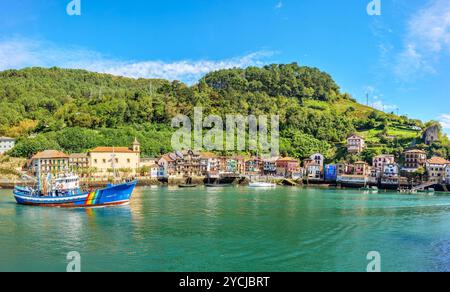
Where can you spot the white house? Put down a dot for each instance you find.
(380, 161)
(318, 158)
(168, 164)
(355, 144)
(437, 169)
(212, 163)
(6, 144)
(314, 171)
(391, 175)
(391, 170)
(447, 175)
(154, 169)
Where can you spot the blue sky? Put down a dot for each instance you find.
(400, 58)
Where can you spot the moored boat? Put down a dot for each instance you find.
(185, 186)
(218, 185)
(64, 191)
(372, 189)
(262, 185)
(427, 191)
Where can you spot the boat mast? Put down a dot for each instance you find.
(114, 164)
(38, 174)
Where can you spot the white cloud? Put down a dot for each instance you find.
(376, 99)
(380, 105)
(20, 53)
(426, 40)
(279, 5)
(369, 89)
(445, 121)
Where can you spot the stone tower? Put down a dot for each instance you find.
(136, 145)
(431, 135)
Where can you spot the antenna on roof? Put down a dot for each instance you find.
(113, 162)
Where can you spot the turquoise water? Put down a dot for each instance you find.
(232, 229)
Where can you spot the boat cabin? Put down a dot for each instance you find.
(67, 183)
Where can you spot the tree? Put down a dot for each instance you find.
(144, 170)
(420, 173)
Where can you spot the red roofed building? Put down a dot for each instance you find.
(436, 168)
(169, 164)
(122, 159)
(414, 159)
(287, 166)
(355, 144)
(49, 161)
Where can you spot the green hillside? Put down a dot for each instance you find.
(75, 110)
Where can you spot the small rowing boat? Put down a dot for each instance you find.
(185, 186)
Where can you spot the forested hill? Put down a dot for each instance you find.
(75, 110)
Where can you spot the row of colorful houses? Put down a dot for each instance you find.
(386, 171)
(205, 164)
(102, 161)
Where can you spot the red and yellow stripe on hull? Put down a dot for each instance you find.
(91, 199)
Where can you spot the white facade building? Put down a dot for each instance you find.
(6, 144)
(355, 144)
(380, 161)
(318, 158)
(447, 175)
(391, 170)
(314, 171)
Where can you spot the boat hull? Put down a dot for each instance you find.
(112, 195)
(187, 186)
(262, 185)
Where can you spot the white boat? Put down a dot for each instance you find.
(262, 185)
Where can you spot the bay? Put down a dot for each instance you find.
(232, 229)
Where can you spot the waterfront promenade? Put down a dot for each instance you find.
(243, 181)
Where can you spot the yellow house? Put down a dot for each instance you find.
(123, 159)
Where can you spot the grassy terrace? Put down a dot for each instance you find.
(9, 167)
(360, 111)
(397, 132)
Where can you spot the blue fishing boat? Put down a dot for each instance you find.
(64, 191)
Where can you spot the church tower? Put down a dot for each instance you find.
(136, 145)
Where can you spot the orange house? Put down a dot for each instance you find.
(287, 166)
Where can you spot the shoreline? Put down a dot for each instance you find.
(173, 182)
